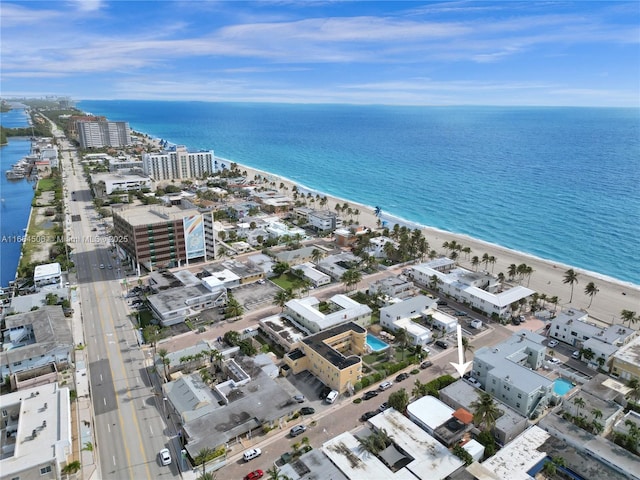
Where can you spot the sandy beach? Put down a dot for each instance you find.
(547, 278)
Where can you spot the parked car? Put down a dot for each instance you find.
(385, 385)
(299, 398)
(254, 475)
(401, 377)
(515, 321)
(366, 416)
(555, 361)
(442, 303)
(307, 411)
(297, 430)
(552, 343)
(165, 456)
(426, 364)
(460, 313)
(333, 394)
(369, 395)
(474, 382)
(383, 407)
(576, 354)
(251, 454)
(442, 344)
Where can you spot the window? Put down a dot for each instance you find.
(45, 470)
(519, 395)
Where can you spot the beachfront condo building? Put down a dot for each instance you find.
(99, 134)
(178, 163)
(332, 355)
(479, 290)
(163, 237)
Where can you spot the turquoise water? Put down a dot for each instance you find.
(562, 386)
(558, 183)
(375, 344)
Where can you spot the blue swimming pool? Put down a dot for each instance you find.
(562, 386)
(375, 344)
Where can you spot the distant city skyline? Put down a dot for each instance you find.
(401, 53)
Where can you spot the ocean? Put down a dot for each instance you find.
(562, 184)
(15, 197)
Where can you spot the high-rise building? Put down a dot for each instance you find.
(178, 163)
(162, 237)
(98, 134)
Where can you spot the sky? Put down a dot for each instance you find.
(583, 53)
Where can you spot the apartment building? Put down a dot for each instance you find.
(35, 339)
(102, 133)
(625, 363)
(314, 316)
(507, 371)
(168, 237)
(399, 316)
(332, 355)
(178, 163)
(479, 290)
(36, 433)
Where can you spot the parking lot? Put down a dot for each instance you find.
(255, 295)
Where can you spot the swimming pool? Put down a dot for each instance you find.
(562, 386)
(375, 344)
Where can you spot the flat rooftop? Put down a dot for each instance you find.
(143, 215)
(317, 343)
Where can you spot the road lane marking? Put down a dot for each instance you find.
(105, 401)
(114, 460)
(100, 377)
(109, 427)
(151, 429)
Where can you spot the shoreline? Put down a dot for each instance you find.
(392, 219)
(614, 295)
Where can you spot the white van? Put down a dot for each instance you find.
(251, 454)
(332, 396)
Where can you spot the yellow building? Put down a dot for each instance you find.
(625, 363)
(333, 355)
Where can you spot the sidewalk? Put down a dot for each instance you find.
(83, 407)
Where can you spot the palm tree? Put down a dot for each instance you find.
(282, 297)
(628, 316)
(492, 261)
(634, 385)
(316, 255)
(591, 290)
(485, 411)
(475, 261)
(485, 259)
(162, 353)
(402, 337)
(207, 476)
(579, 403)
(71, 468)
(512, 271)
(202, 457)
(570, 277)
(597, 414)
(466, 347)
(350, 278)
(554, 300)
(274, 474)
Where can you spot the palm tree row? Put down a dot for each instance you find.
(520, 271)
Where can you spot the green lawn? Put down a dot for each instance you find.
(287, 281)
(46, 184)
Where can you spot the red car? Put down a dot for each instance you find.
(254, 475)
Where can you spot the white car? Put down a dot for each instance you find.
(383, 386)
(555, 361)
(165, 456)
(552, 343)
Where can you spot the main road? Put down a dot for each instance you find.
(129, 421)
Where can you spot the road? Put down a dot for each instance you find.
(129, 424)
(344, 415)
